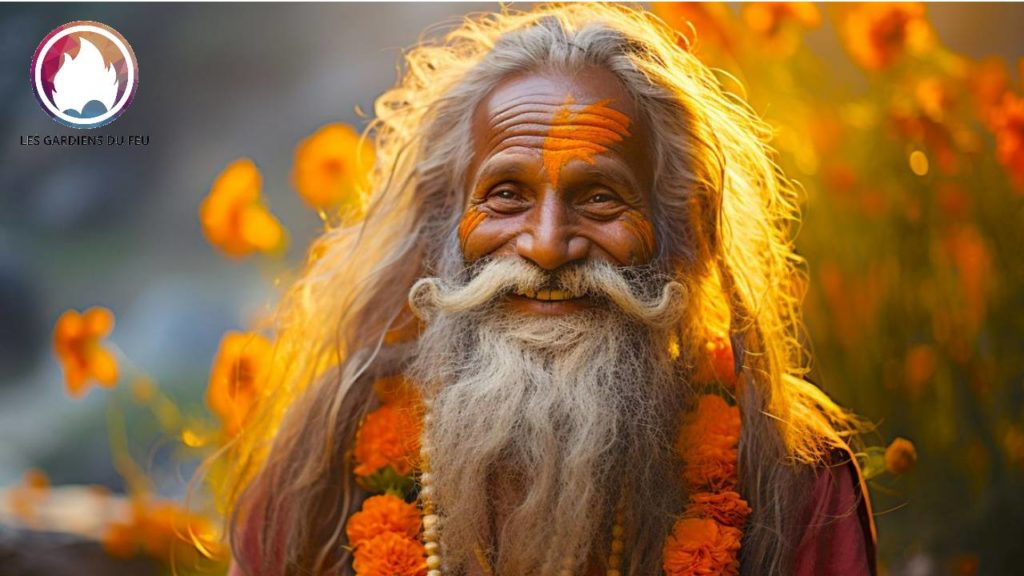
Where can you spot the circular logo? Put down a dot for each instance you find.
(84, 74)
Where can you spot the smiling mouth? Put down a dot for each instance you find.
(548, 295)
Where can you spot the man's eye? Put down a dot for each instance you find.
(505, 194)
(601, 198)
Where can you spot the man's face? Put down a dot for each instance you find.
(560, 174)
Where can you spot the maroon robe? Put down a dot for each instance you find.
(838, 530)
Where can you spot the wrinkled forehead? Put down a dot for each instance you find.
(518, 114)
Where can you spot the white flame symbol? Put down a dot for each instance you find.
(84, 79)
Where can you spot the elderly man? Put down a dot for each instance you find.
(568, 328)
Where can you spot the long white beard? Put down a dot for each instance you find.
(568, 414)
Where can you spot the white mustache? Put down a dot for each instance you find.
(501, 276)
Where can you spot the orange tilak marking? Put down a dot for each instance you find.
(470, 220)
(644, 230)
(581, 134)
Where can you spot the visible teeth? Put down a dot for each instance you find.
(546, 295)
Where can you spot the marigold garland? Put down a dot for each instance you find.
(705, 540)
(384, 534)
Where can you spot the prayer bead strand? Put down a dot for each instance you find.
(431, 521)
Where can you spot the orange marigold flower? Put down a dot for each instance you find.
(1008, 125)
(707, 443)
(727, 507)
(390, 436)
(237, 376)
(381, 514)
(390, 554)
(879, 34)
(711, 467)
(699, 546)
(233, 215)
(332, 168)
(76, 340)
(712, 423)
(900, 456)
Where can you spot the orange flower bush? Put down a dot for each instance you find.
(390, 436)
(233, 215)
(77, 342)
(900, 456)
(331, 168)
(390, 554)
(237, 376)
(699, 546)
(1008, 124)
(877, 35)
(381, 514)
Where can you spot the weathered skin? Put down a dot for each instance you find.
(561, 173)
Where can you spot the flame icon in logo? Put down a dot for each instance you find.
(84, 80)
(84, 74)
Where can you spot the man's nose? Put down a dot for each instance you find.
(550, 239)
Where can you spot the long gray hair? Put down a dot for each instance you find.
(722, 212)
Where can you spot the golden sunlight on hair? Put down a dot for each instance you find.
(732, 249)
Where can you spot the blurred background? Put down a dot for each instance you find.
(904, 125)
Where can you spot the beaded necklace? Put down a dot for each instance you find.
(390, 536)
